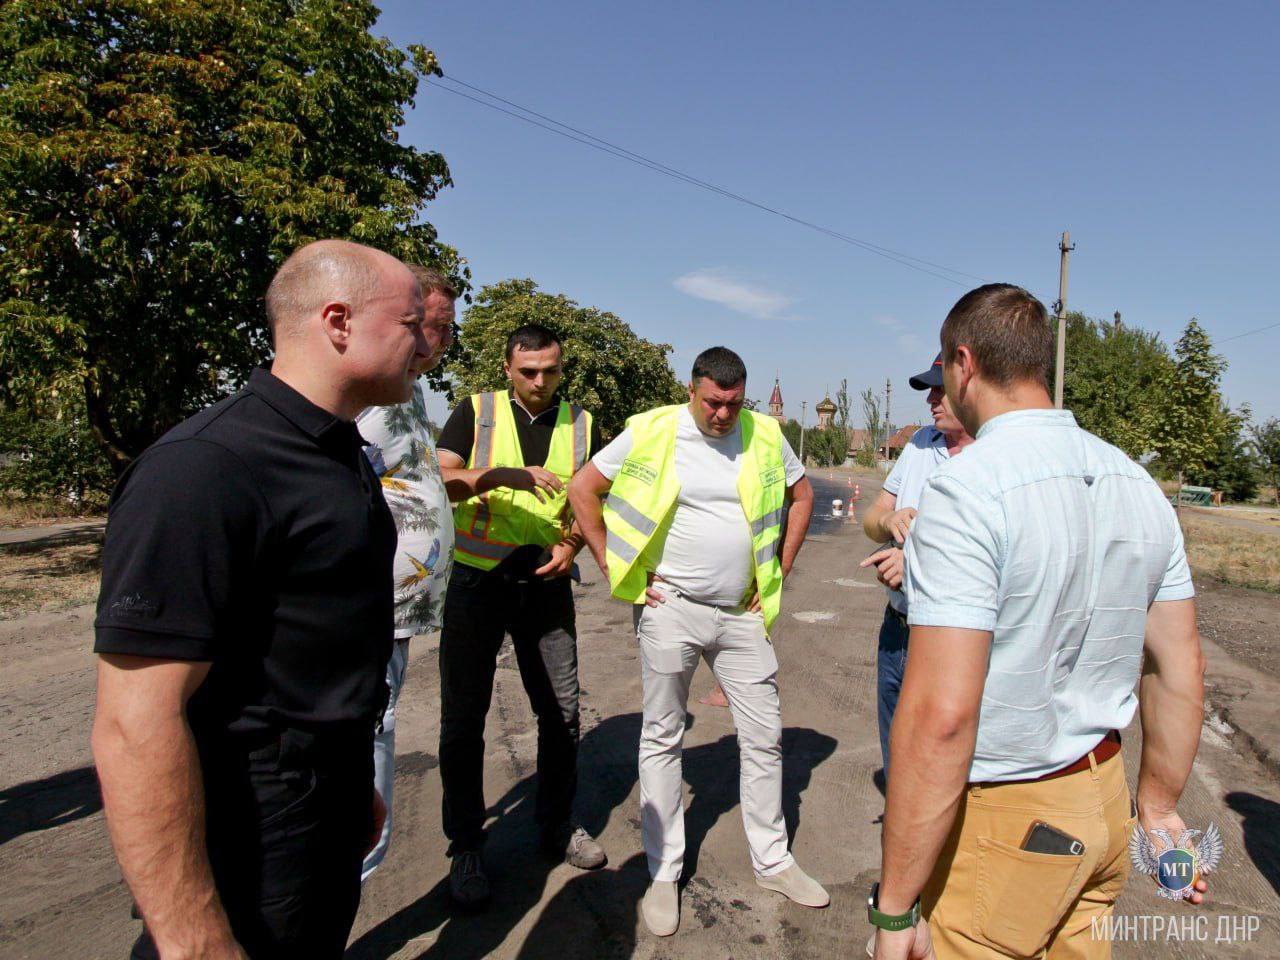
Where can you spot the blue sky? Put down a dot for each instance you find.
(967, 135)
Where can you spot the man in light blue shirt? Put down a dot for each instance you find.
(1044, 566)
(889, 521)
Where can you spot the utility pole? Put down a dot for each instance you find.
(1065, 246)
(803, 404)
(888, 422)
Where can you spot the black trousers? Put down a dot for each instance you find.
(287, 824)
(479, 609)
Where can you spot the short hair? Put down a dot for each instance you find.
(315, 274)
(531, 336)
(722, 365)
(1007, 330)
(432, 278)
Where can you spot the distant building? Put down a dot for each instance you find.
(775, 402)
(895, 444)
(826, 412)
(858, 438)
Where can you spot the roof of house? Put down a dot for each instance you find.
(776, 396)
(903, 436)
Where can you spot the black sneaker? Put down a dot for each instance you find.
(574, 846)
(467, 882)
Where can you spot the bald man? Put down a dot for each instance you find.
(244, 626)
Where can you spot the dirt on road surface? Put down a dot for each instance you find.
(61, 896)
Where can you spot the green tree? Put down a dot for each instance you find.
(1114, 381)
(158, 159)
(1231, 466)
(607, 368)
(826, 446)
(1266, 442)
(842, 407)
(791, 431)
(1186, 433)
(873, 417)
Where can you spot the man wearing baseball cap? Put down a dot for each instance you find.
(889, 521)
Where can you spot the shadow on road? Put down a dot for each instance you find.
(1261, 827)
(51, 802)
(594, 914)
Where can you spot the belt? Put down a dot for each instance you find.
(1107, 748)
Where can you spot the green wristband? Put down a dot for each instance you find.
(885, 921)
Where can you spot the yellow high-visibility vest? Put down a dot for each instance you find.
(491, 526)
(644, 493)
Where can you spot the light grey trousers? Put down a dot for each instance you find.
(672, 637)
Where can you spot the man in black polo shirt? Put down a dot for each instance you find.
(244, 628)
(508, 457)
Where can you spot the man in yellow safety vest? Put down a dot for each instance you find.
(692, 533)
(508, 456)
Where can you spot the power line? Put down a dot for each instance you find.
(1249, 333)
(587, 139)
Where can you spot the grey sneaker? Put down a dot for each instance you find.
(467, 882)
(575, 846)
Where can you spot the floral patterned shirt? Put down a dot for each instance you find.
(404, 457)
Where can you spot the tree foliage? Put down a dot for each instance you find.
(843, 404)
(1266, 444)
(1114, 382)
(1185, 435)
(1231, 465)
(607, 368)
(873, 417)
(48, 456)
(158, 159)
(826, 446)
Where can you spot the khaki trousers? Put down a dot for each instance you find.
(987, 898)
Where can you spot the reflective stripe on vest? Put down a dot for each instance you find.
(492, 526)
(645, 490)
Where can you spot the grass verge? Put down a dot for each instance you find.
(1235, 556)
(16, 511)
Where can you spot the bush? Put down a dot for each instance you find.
(45, 457)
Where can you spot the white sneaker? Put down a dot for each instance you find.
(794, 884)
(661, 908)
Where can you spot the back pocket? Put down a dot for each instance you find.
(1021, 896)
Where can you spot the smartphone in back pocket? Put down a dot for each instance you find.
(1043, 838)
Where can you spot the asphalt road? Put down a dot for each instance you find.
(61, 896)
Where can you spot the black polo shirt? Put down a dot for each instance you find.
(533, 430)
(254, 536)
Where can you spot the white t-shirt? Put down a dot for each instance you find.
(926, 449)
(707, 554)
(403, 455)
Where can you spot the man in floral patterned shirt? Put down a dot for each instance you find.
(400, 447)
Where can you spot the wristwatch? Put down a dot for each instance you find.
(885, 921)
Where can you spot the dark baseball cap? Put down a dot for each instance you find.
(930, 378)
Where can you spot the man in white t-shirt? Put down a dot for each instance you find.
(399, 446)
(710, 594)
(889, 520)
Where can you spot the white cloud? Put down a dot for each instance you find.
(715, 286)
(886, 321)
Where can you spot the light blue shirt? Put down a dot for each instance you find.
(1057, 543)
(926, 449)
